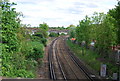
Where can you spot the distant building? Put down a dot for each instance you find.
(58, 31)
(31, 30)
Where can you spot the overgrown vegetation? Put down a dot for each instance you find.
(101, 33)
(21, 52)
(102, 29)
(91, 58)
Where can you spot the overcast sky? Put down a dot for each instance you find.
(60, 12)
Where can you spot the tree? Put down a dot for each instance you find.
(82, 30)
(99, 27)
(43, 29)
(44, 26)
(72, 33)
(41, 34)
(106, 36)
(14, 61)
(115, 13)
(9, 23)
(71, 26)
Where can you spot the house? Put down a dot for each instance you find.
(31, 31)
(65, 31)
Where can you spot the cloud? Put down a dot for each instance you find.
(60, 12)
(91, 5)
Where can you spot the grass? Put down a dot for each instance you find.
(90, 58)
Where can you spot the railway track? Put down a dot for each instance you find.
(55, 67)
(77, 62)
(63, 64)
(69, 64)
(51, 68)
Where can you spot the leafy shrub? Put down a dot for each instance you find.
(15, 64)
(24, 73)
(52, 34)
(18, 56)
(37, 50)
(39, 37)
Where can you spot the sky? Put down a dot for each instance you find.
(60, 12)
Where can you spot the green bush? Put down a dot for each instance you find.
(52, 34)
(14, 64)
(39, 37)
(19, 57)
(24, 73)
(37, 50)
(44, 41)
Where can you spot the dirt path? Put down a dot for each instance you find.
(43, 69)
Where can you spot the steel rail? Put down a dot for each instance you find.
(60, 66)
(51, 68)
(73, 58)
(77, 62)
(50, 58)
(69, 65)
